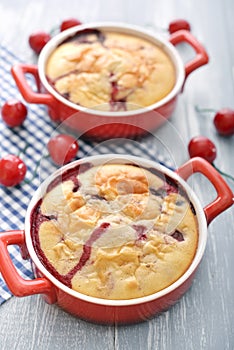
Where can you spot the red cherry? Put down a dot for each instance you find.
(12, 170)
(14, 113)
(201, 146)
(178, 24)
(62, 148)
(224, 121)
(68, 23)
(38, 40)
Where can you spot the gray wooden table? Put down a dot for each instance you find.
(204, 317)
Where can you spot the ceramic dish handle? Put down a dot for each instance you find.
(19, 72)
(225, 196)
(18, 285)
(201, 57)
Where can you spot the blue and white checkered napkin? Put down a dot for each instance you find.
(32, 137)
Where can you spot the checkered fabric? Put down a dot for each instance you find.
(31, 140)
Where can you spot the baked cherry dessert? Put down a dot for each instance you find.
(110, 70)
(115, 231)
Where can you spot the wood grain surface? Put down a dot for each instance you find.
(204, 318)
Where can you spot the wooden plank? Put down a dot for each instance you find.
(30, 323)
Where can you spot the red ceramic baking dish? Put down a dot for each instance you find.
(114, 311)
(107, 124)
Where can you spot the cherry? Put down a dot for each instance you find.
(224, 121)
(12, 170)
(69, 23)
(38, 40)
(200, 146)
(178, 24)
(14, 113)
(62, 148)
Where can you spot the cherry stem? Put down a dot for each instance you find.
(223, 173)
(23, 151)
(35, 171)
(205, 110)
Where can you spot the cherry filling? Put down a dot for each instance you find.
(87, 248)
(115, 103)
(114, 91)
(98, 197)
(53, 82)
(66, 95)
(164, 191)
(140, 230)
(76, 183)
(81, 37)
(50, 217)
(170, 188)
(70, 174)
(160, 192)
(36, 220)
(178, 236)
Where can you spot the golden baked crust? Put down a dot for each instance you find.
(119, 71)
(125, 233)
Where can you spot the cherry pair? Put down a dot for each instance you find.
(38, 40)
